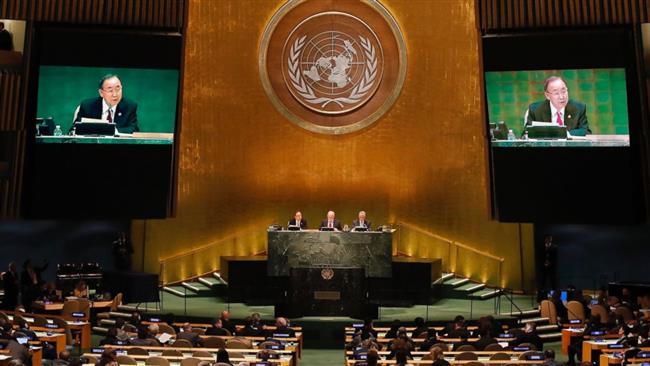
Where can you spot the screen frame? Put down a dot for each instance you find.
(173, 58)
(496, 55)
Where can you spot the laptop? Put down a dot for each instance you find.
(546, 131)
(94, 129)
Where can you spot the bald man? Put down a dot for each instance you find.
(361, 221)
(331, 222)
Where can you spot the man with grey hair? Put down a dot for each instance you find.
(361, 221)
(331, 222)
(559, 109)
(282, 328)
(111, 106)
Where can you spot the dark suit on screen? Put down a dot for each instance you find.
(366, 224)
(126, 113)
(575, 116)
(303, 223)
(336, 223)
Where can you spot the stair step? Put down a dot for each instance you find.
(101, 330)
(176, 290)
(534, 320)
(443, 278)
(126, 308)
(546, 328)
(471, 287)
(457, 282)
(196, 287)
(551, 336)
(217, 275)
(209, 281)
(107, 322)
(524, 313)
(486, 294)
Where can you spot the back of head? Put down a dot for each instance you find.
(400, 357)
(419, 322)
(187, 327)
(64, 355)
(222, 355)
(549, 354)
(436, 353)
(372, 357)
(143, 332)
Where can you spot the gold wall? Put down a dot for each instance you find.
(243, 166)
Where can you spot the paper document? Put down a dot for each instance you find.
(94, 120)
(164, 338)
(544, 124)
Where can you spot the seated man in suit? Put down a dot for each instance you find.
(282, 327)
(110, 106)
(559, 108)
(331, 221)
(217, 329)
(187, 334)
(298, 221)
(361, 221)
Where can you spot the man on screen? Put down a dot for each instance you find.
(110, 106)
(558, 108)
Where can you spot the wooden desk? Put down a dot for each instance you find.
(455, 362)
(84, 328)
(567, 334)
(57, 338)
(589, 346)
(284, 361)
(58, 306)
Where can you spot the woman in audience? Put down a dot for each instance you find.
(222, 356)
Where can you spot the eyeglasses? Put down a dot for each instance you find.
(557, 93)
(116, 90)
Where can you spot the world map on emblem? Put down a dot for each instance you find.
(333, 63)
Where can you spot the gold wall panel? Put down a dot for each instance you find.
(242, 165)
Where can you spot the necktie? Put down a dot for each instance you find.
(559, 119)
(329, 224)
(109, 117)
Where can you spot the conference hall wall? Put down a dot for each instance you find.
(243, 166)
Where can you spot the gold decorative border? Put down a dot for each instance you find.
(340, 130)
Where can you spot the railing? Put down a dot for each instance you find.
(456, 257)
(206, 258)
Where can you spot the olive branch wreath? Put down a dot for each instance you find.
(306, 91)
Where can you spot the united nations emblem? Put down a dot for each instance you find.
(327, 273)
(332, 67)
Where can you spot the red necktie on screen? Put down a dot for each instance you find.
(329, 224)
(559, 119)
(109, 117)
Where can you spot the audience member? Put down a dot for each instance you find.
(187, 334)
(80, 289)
(457, 329)
(392, 332)
(282, 327)
(420, 327)
(251, 328)
(437, 356)
(143, 338)
(217, 329)
(432, 338)
(30, 282)
(401, 358)
(23, 327)
(530, 336)
(11, 285)
(368, 330)
(63, 360)
(222, 356)
(549, 358)
(226, 323)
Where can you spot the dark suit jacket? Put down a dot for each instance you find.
(575, 116)
(126, 113)
(194, 338)
(366, 223)
(336, 223)
(303, 223)
(11, 286)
